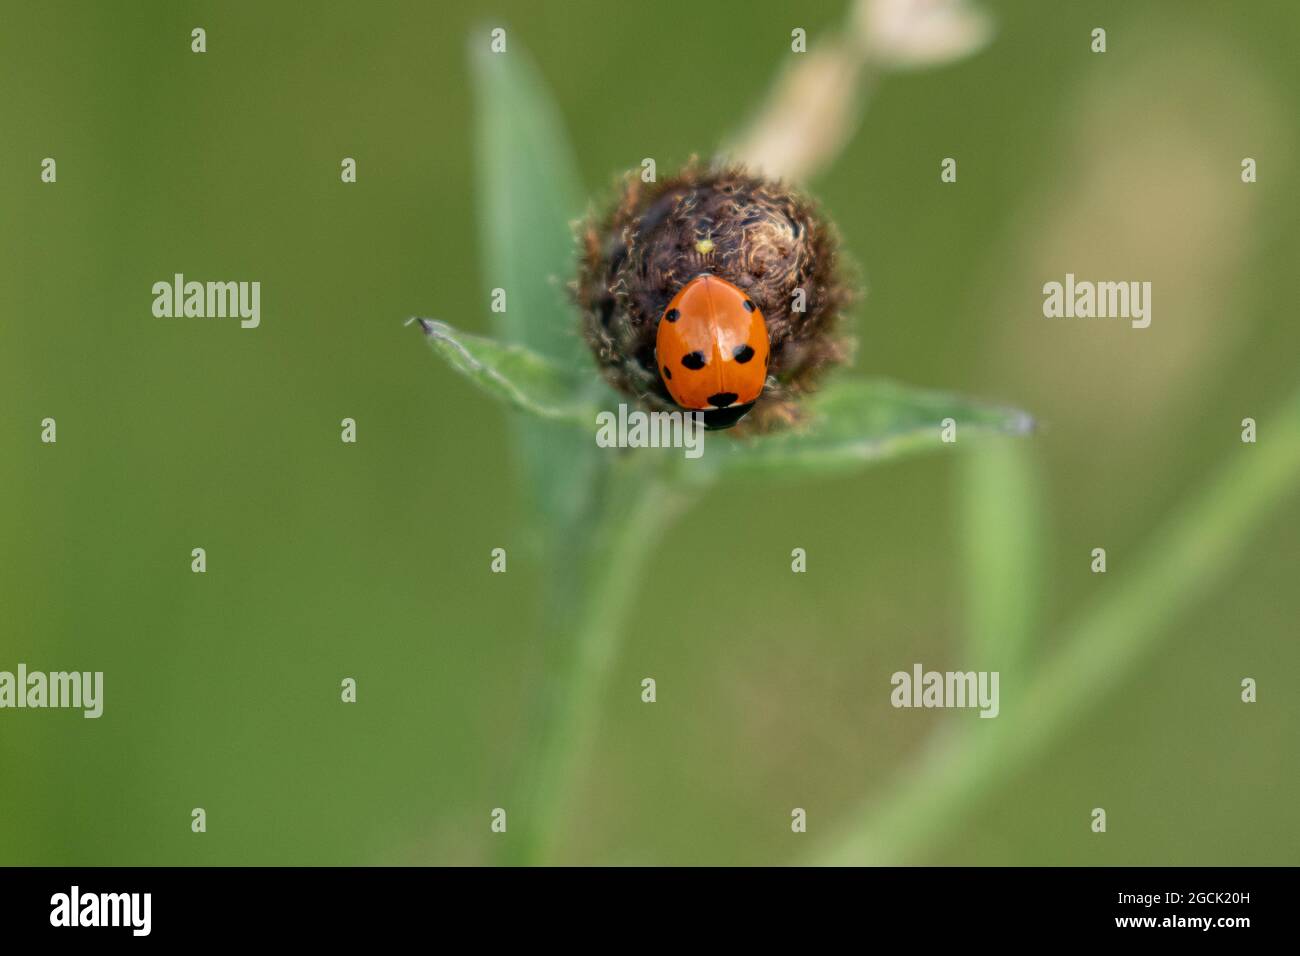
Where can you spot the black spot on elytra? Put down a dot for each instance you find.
(749, 306)
(667, 373)
(693, 361)
(672, 315)
(743, 353)
(722, 399)
(715, 418)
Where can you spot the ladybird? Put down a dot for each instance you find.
(712, 350)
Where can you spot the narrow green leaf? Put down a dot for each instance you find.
(512, 374)
(854, 422)
(528, 194)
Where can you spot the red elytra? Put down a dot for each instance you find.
(713, 350)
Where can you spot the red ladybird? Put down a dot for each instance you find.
(713, 350)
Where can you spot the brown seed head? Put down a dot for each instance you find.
(757, 234)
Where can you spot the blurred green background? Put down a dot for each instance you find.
(328, 560)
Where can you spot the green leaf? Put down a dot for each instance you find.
(528, 194)
(854, 422)
(513, 374)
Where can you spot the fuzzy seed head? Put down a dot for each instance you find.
(756, 233)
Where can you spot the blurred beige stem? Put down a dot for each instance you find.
(811, 114)
(816, 105)
(1182, 562)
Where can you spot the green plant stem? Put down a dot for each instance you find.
(633, 518)
(1183, 560)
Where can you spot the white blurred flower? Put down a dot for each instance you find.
(906, 34)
